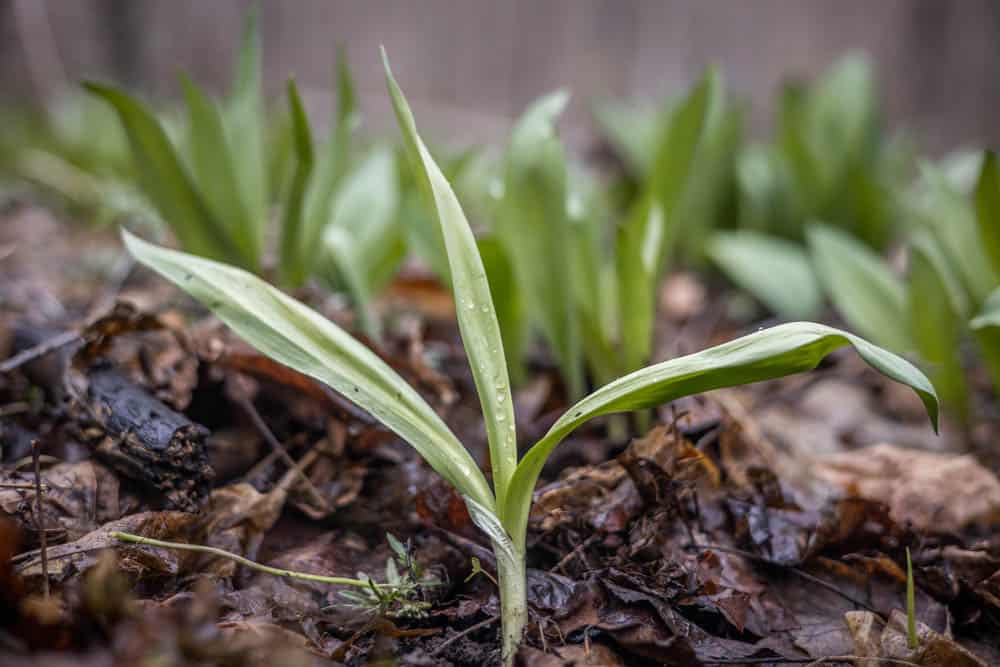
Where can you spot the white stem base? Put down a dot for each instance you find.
(512, 576)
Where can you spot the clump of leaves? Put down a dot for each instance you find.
(403, 593)
(213, 183)
(829, 161)
(297, 336)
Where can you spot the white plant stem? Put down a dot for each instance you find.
(512, 579)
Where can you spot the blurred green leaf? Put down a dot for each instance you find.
(214, 172)
(296, 250)
(864, 290)
(509, 305)
(988, 209)
(778, 272)
(534, 227)
(936, 309)
(986, 327)
(163, 178)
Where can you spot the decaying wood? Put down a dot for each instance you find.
(144, 440)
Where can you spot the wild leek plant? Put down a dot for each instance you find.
(292, 334)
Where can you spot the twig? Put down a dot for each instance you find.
(15, 408)
(805, 575)
(561, 565)
(279, 449)
(40, 518)
(40, 350)
(221, 553)
(469, 630)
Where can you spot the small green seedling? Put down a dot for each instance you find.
(297, 336)
(401, 596)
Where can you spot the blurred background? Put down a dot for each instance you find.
(477, 63)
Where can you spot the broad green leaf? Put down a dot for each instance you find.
(864, 290)
(534, 227)
(213, 170)
(302, 339)
(776, 271)
(247, 133)
(477, 318)
(988, 209)
(162, 177)
(986, 327)
(936, 310)
(296, 250)
(764, 355)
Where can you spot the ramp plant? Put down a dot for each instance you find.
(297, 336)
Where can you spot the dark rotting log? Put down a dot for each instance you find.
(144, 440)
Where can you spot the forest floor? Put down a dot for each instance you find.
(765, 525)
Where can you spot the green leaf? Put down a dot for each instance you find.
(534, 227)
(477, 318)
(865, 291)
(247, 133)
(986, 327)
(764, 355)
(363, 237)
(632, 132)
(509, 305)
(776, 271)
(213, 169)
(163, 179)
(936, 309)
(988, 209)
(637, 255)
(296, 249)
(333, 163)
(950, 216)
(293, 334)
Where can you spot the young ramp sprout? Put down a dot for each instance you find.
(297, 336)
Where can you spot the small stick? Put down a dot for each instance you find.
(39, 518)
(40, 350)
(221, 553)
(279, 449)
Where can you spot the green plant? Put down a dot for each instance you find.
(829, 161)
(292, 334)
(213, 183)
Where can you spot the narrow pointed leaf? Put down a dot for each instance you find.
(534, 227)
(214, 171)
(865, 291)
(296, 249)
(936, 310)
(302, 339)
(764, 355)
(163, 179)
(477, 318)
(776, 271)
(246, 132)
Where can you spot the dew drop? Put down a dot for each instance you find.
(501, 417)
(471, 305)
(501, 397)
(484, 308)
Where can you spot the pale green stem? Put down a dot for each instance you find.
(288, 574)
(513, 584)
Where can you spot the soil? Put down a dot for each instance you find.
(766, 525)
